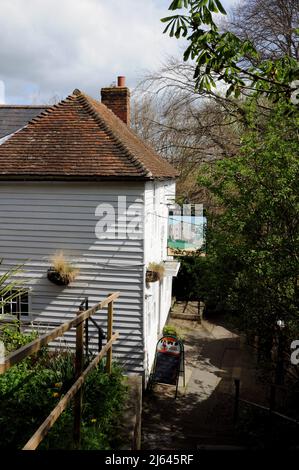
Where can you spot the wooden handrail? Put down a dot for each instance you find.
(45, 339)
(265, 408)
(109, 336)
(41, 432)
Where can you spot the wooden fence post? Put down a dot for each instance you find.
(78, 372)
(86, 337)
(109, 334)
(86, 329)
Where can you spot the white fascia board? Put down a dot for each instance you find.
(171, 268)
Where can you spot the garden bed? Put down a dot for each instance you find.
(31, 389)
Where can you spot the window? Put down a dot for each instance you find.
(13, 303)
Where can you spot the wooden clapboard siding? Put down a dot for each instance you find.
(37, 219)
(158, 294)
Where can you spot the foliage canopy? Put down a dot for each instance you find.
(223, 56)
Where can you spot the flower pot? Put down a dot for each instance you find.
(152, 276)
(56, 278)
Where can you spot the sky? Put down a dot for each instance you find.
(50, 47)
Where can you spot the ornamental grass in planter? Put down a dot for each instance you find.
(61, 271)
(154, 272)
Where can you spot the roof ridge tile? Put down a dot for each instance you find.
(138, 164)
(77, 138)
(133, 134)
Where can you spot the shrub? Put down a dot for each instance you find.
(103, 400)
(206, 278)
(31, 389)
(173, 330)
(188, 283)
(14, 339)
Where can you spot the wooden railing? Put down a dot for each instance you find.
(270, 409)
(76, 390)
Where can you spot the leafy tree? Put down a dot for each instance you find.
(252, 267)
(190, 126)
(226, 57)
(257, 229)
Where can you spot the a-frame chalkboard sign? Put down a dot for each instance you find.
(169, 362)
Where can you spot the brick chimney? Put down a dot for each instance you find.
(118, 99)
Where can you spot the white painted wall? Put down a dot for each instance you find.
(37, 219)
(157, 300)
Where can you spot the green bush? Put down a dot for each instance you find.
(26, 398)
(188, 283)
(103, 400)
(173, 330)
(31, 389)
(14, 339)
(205, 278)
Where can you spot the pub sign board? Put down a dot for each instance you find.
(169, 361)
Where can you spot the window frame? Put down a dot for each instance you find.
(18, 301)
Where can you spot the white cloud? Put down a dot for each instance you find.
(2, 92)
(50, 47)
(230, 3)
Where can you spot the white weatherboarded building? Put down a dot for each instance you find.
(76, 179)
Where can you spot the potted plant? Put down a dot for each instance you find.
(173, 330)
(61, 272)
(154, 272)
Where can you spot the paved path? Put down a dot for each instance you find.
(202, 414)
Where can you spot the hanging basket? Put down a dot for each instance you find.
(56, 278)
(152, 276)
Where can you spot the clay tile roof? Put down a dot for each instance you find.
(79, 138)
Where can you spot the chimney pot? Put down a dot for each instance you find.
(117, 99)
(121, 81)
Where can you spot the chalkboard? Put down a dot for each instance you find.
(167, 368)
(168, 361)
